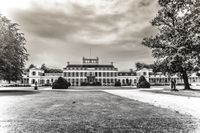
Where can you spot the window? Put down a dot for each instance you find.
(108, 74)
(81, 74)
(48, 81)
(69, 74)
(77, 74)
(65, 74)
(144, 73)
(33, 73)
(91, 74)
(99, 74)
(112, 74)
(33, 81)
(104, 74)
(112, 81)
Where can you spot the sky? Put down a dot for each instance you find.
(58, 31)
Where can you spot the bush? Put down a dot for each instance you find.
(142, 83)
(92, 84)
(18, 85)
(61, 83)
(47, 84)
(117, 83)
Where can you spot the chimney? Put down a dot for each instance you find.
(68, 63)
(112, 63)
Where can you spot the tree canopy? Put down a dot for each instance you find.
(13, 53)
(50, 70)
(140, 66)
(176, 47)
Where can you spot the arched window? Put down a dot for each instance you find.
(33, 73)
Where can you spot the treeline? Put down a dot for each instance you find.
(140, 66)
(46, 69)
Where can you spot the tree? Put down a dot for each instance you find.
(176, 47)
(60, 83)
(142, 83)
(50, 70)
(13, 53)
(31, 66)
(140, 66)
(43, 67)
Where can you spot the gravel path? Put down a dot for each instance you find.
(182, 104)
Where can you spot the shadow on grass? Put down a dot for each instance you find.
(17, 92)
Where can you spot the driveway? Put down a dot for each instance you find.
(182, 104)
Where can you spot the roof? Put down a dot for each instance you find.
(53, 74)
(89, 66)
(34, 68)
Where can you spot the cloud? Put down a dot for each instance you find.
(66, 30)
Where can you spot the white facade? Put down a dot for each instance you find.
(38, 75)
(90, 71)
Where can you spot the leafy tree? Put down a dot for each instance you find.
(31, 66)
(43, 67)
(140, 66)
(50, 70)
(176, 47)
(13, 53)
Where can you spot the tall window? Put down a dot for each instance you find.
(33, 81)
(77, 74)
(104, 74)
(65, 74)
(108, 74)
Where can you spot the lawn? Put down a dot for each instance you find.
(83, 111)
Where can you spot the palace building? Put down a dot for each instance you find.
(91, 72)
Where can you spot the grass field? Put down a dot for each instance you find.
(85, 111)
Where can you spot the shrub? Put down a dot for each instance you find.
(61, 83)
(117, 83)
(47, 84)
(92, 84)
(142, 83)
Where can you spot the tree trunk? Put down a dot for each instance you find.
(185, 79)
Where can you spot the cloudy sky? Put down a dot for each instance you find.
(58, 31)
